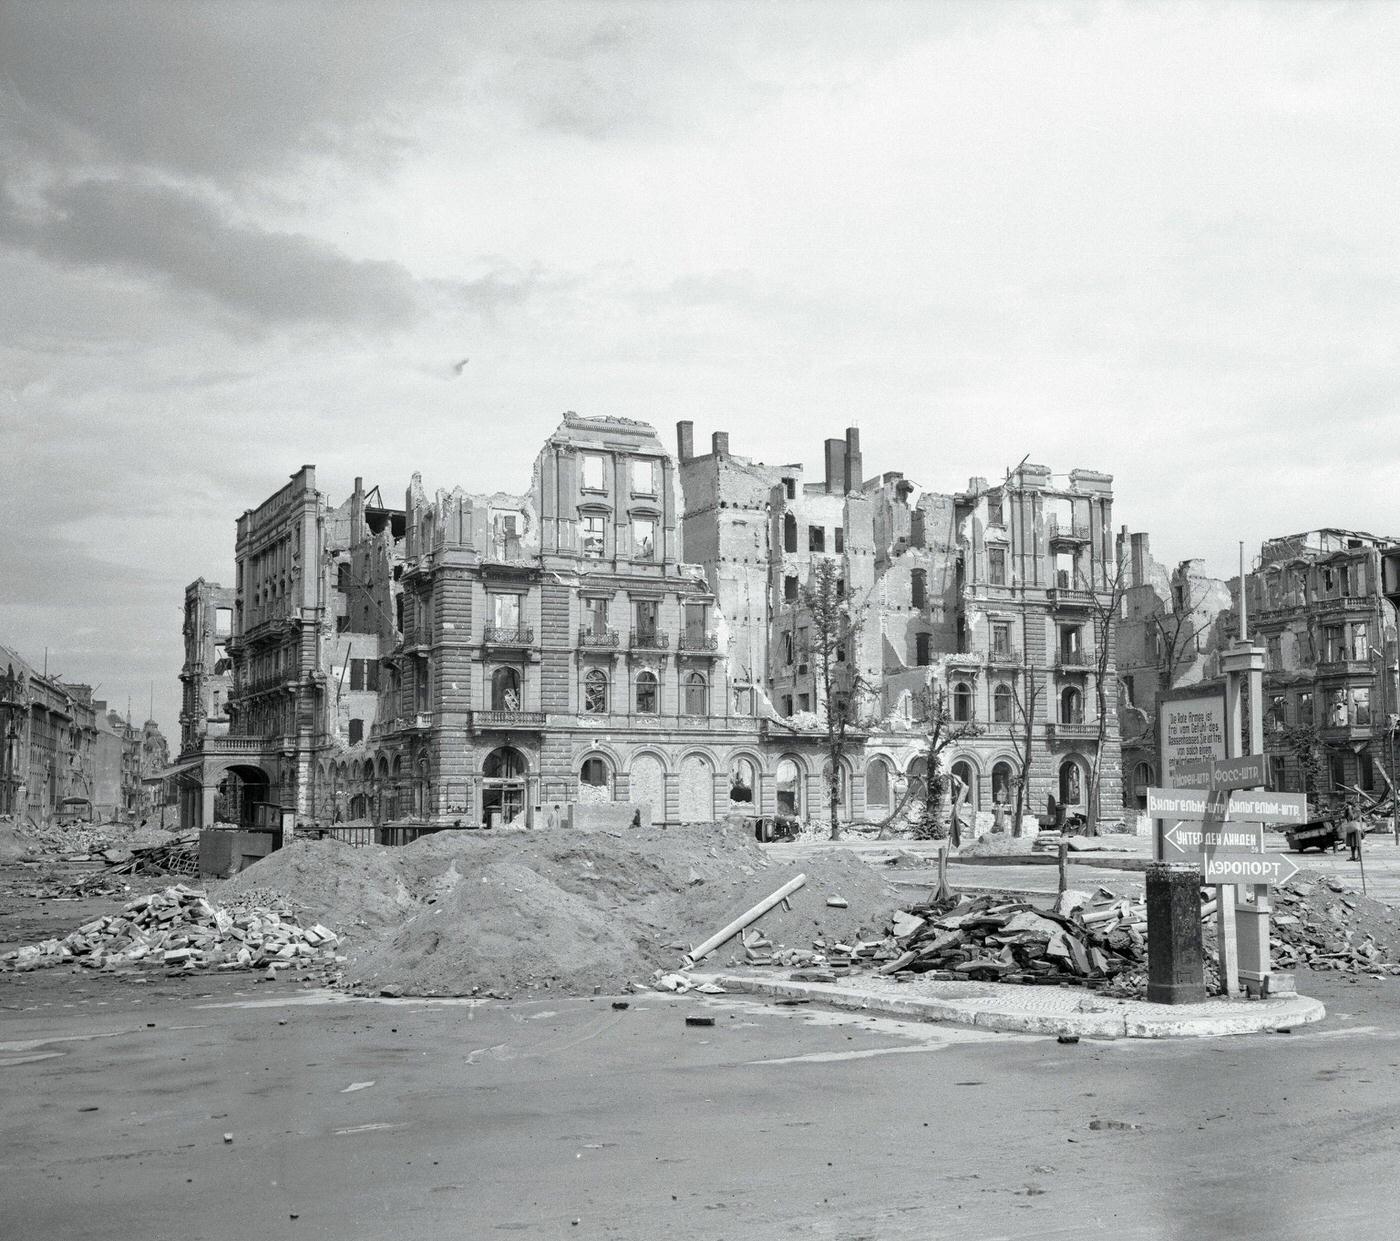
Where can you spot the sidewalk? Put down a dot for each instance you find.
(1071, 1011)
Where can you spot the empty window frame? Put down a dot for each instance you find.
(643, 538)
(996, 566)
(595, 692)
(594, 472)
(816, 538)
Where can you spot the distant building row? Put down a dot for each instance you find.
(65, 754)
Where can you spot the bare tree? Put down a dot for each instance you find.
(941, 731)
(1024, 741)
(1107, 606)
(834, 624)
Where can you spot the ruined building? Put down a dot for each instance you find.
(632, 628)
(996, 598)
(1167, 638)
(1314, 602)
(49, 733)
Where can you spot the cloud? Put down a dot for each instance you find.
(219, 91)
(267, 277)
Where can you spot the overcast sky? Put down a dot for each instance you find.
(1159, 241)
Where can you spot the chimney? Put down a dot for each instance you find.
(685, 439)
(1141, 559)
(855, 467)
(719, 443)
(357, 511)
(835, 465)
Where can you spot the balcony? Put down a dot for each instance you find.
(1003, 657)
(1346, 668)
(507, 721)
(508, 635)
(699, 641)
(1074, 661)
(239, 745)
(650, 640)
(963, 659)
(1075, 731)
(605, 638)
(1067, 532)
(1070, 600)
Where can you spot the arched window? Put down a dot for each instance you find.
(648, 696)
(1001, 705)
(504, 764)
(789, 782)
(505, 690)
(962, 702)
(1071, 705)
(742, 780)
(1001, 783)
(595, 692)
(697, 694)
(1071, 785)
(789, 532)
(967, 778)
(595, 773)
(877, 783)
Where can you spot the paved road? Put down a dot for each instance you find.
(412, 1120)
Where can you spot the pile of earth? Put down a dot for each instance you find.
(461, 913)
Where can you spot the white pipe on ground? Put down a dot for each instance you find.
(743, 920)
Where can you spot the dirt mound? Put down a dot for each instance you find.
(1328, 925)
(556, 910)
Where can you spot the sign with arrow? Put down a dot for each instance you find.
(1187, 842)
(1246, 868)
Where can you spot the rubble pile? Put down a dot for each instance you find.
(175, 857)
(179, 928)
(988, 938)
(1327, 925)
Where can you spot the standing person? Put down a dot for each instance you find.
(1351, 831)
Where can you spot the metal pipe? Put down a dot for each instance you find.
(744, 919)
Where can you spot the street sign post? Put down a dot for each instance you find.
(1250, 868)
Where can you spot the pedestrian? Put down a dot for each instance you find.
(1351, 830)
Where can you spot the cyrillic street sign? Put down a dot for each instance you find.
(1247, 868)
(1198, 806)
(1186, 842)
(1246, 772)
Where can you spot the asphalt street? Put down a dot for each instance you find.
(356, 1118)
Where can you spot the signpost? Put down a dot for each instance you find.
(1246, 772)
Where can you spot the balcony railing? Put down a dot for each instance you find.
(1004, 656)
(509, 635)
(532, 720)
(650, 640)
(699, 641)
(1060, 597)
(597, 637)
(1068, 531)
(239, 745)
(1075, 731)
(1074, 659)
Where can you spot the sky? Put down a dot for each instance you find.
(1160, 241)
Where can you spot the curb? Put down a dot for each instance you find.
(1261, 1016)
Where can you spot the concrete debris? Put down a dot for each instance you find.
(179, 928)
(1327, 926)
(176, 857)
(990, 938)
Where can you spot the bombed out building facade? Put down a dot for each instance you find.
(631, 629)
